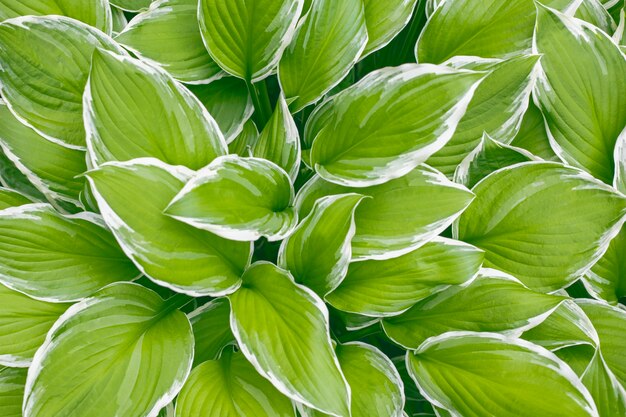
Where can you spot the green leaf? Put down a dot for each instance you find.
(397, 219)
(610, 323)
(122, 352)
(131, 5)
(12, 381)
(584, 113)
(389, 287)
(619, 181)
(606, 279)
(132, 196)
(168, 35)
(119, 20)
(375, 385)
(593, 11)
(57, 258)
(120, 128)
(532, 230)
(211, 330)
(533, 136)
(279, 141)
(239, 199)
(578, 357)
(318, 252)
(497, 108)
(244, 142)
(489, 29)
(228, 101)
(230, 387)
(270, 313)
(385, 19)
(481, 374)
(11, 198)
(608, 394)
(493, 302)
(24, 323)
(247, 37)
(325, 46)
(45, 65)
(12, 178)
(389, 122)
(94, 13)
(51, 167)
(489, 156)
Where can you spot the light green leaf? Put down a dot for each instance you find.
(45, 65)
(132, 196)
(494, 302)
(211, 330)
(578, 357)
(608, 394)
(486, 374)
(606, 279)
(488, 28)
(230, 387)
(593, 11)
(247, 37)
(122, 352)
(11, 177)
(95, 13)
(532, 230)
(245, 141)
(497, 108)
(24, 323)
(228, 101)
(279, 141)
(389, 122)
(385, 19)
(389, 287)
(58, 258)
(397, 219)
(619, 181)
(533, 136)
(325, 46)
(585, 113)
(318, 252)
(610, 323)
(12, 381)
(489, 156)
(131, 5)
(375, 385)
(119, 20)
(282, 328)
(120, 128)
(11, 198)
(239, 199)
(168, 35)
(51, 167)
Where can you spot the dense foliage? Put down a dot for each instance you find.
(281, 208)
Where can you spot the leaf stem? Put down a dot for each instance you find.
(261, 101)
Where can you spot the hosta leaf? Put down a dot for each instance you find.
(376, 386)
(45, 65)
(533, 136)
(619, 181)
(282, 328)
(397, 219)
(584, 113)
(51, 167)
(230, 387)
(12, 381)
(211, 330)
(610, 323)
(279, 141)
(389, 122)
(593, 11)
(494, 302)
(608, 394)
(246, 38)
(385, 19)
(95, 13)
(119, 20)
(11, 177)
(123, 351)
(228, 101)
(532, 231)
(489, 156)
(489, 29)
(24, 323)
(11, 198)
(497, 108)
(58, 258)
(318, 252)
(239, 199)
(131, 5)
(480, 374)
(132, 197)
(244, 142)
(168, 36)
(607, 278)
(120, 129)
(382, 288)
(325, 47)
(578, 357)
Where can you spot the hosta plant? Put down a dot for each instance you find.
(308, 208)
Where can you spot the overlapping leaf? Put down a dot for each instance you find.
(12, 381)
(211, 330)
